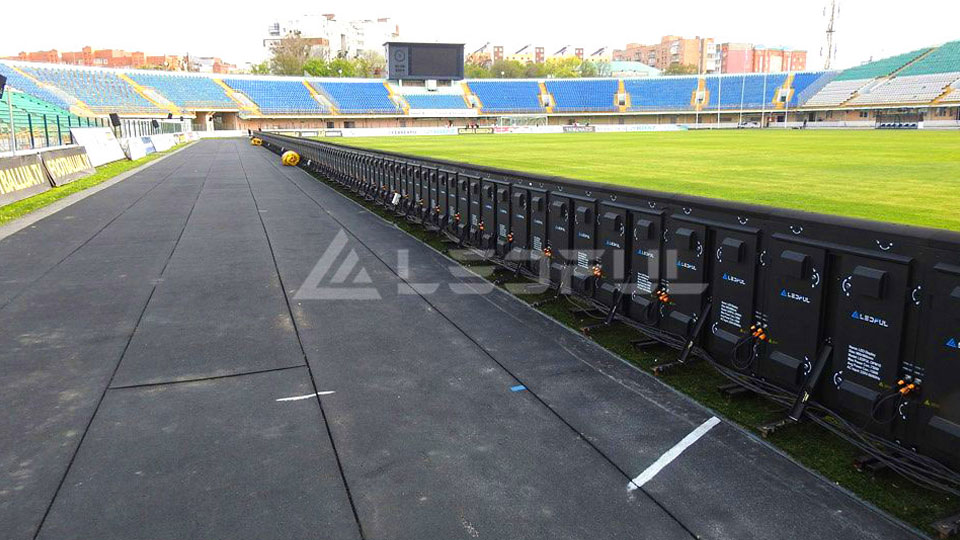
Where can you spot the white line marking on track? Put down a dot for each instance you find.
(308, 396)
(672, 454)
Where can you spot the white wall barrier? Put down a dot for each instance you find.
(163, 142)
(633, 128)
(137, 147)
(101, 144)
(482, 130)
(941, 124)
(223, 134)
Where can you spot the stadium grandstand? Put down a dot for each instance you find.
(574, 95)
(667, 94)
(187, 91)
(436, 102)
(362, 97)
(911, 85)
(508, 96)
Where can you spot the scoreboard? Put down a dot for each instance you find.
(424, 61)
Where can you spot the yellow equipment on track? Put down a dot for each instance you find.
(290, 158)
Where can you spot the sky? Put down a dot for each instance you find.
(233, 31)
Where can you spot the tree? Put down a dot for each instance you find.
(681, 69)
(474, 71)
(588, 69)
(536, 71)
(604, 69)
(341, 67)
(370, 64)
(507, 69)
(317, 67)
(289, 55)
(564, 68)
(263, 68)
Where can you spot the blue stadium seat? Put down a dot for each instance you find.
(435, 101)
(508, 96)
(102, 90)
(583, 95)
(24, 84)
(358, 97)
(186, 91)
(105, 90)
(807, 83)
(278, 96)
(749, 91)
(661, 93)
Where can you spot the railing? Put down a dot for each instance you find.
(575, 108)
(32, 131)
(144, 128)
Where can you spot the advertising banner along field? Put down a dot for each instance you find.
(67, 165)
(137, 147)
(162, 143)
(101, 144)
(21, 177)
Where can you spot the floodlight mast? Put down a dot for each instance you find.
(831, 47)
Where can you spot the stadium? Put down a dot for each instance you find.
(897, 92)
(423, 305)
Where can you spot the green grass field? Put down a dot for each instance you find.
(906, 177)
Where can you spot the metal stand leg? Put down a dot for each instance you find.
(611, 315)
(806, 392)
(560, 282)
(691, 342)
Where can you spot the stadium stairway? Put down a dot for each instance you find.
(151, 95)
(698, 105)
(321, 99)
(952, 95)
(787, 88)
(546, 97)
(470, 98)
(397, 98)
(946, 94)
(622, 91)
(913, 62)
(246, 104)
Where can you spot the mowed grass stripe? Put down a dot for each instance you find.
(908, 177)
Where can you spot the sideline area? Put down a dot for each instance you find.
(188, 357)
(104, 174)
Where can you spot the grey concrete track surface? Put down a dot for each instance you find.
(148, 332)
